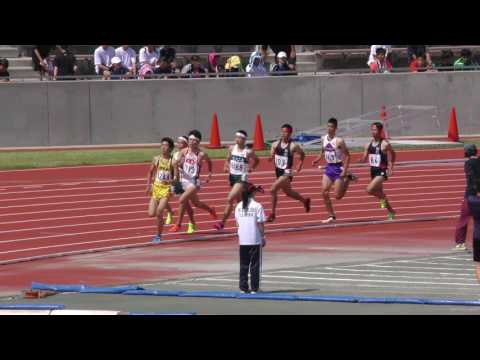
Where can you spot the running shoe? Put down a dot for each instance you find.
(383, 204)
(330, 220)
(253, 292)
(213, 214)
(391, 216)
(190, 229)
(175, 228)
(219, 226)
(168, 220)
(307, 205)
(460, 247)
(157, 239)
(352, 177)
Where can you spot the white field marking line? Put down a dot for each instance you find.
(434, 263)
(145, 218)
(336, 203)
(353, 281)
(339, 205)
(269, 172)
(454, 258)
(390, 190)
(213, 234)
(142, 183)
(146, 164)
(419, 267)
(397, 271)
(208, 188)
(335, 273)
(301, 286)
(370, 280)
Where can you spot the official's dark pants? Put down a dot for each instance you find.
(462, 223)
(474, 205)
(250, 261)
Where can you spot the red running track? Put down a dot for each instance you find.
(54, 212)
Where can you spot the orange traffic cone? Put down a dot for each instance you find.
(383, 117)
(453, 127)
(215, 134)
(258, 140)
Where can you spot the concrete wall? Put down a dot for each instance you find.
(116, 112)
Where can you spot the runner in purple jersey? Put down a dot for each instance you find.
(337, 157)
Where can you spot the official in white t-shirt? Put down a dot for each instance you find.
(128, 57)
(250, 217)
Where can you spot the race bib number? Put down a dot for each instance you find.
(374, 160)
(163, 176)
(281, 162)
(190, 170)
(237, 167)
(330, 156)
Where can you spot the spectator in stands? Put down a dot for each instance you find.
(214, 68)
(256, 67)
(373, 53)
(103, 60)
(416, 51)
(40, 59)
(65, 63)
(381, 64)
(466, 61)
(195, 69)
(128, 56)
(446, 60)
(419, 64)
(4, 74)
(283, 66)
(163, 67)
(146, 54)
(146, 70)
(118, 71)
(233, 66)
(277, 49)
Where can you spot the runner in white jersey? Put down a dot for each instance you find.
(190, 162)
(337, 158)
(238, 166)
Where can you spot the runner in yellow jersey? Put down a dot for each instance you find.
(159, 184)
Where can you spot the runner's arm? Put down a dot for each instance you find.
(318, 159)
(206, 158)
(176, 164)
(365, 155)
(298, 149)
(151, 174)
(272, 151)
(255, 159)
(347, 157)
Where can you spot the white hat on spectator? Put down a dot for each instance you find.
(282, 54)
(116, 60)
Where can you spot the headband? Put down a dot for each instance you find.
(193, 137)
(182, 139)
(239, 134)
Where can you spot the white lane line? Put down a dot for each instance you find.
(389, 191)
(353, 189)
(256, 178)
(370, 280)
(353, 281)
(418, 267)
(174, 208)
(433, 263)
(212, 232)
(398, 271)
(283, 200)
(458, 259)
(372, 274)
(145, 218)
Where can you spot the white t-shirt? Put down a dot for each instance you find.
(128, 57)
(373, 52)
(146, 57)
(103, 57)
(248, 232)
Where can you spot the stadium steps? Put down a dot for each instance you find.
(8, 51)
